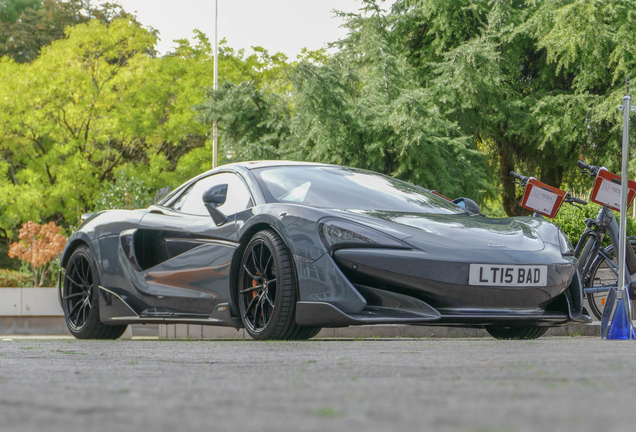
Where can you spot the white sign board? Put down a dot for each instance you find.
(609, 194)
(541, 201)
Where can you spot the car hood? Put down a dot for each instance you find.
(458, 230)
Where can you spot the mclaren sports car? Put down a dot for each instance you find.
(284, 249)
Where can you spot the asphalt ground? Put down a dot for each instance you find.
(479, 384)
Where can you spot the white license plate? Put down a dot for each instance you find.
(508, 275)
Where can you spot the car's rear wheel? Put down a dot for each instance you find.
(80, 300)
(521, 332)
(267, 290)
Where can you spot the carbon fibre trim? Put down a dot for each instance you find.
(120, 299)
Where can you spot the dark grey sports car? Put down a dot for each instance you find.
(285, 248)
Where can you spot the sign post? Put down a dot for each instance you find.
(621, 326)
(215, 138)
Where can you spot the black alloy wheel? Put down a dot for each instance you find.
(80, 298)
(78, 283)
(267, 290)
(259, 294)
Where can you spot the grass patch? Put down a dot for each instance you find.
(68, 352)
(328, 412)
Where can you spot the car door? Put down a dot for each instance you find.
(184, 256)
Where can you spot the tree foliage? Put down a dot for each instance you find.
(89, 105)
(535, 83)
(424, 90)
(37, 247)
(31, 25)
(10, 10)
(361, 107)
(97, 115)
(450, 95)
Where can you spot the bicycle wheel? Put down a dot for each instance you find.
(603, 273)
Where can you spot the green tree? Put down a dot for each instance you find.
(71, 117)
(10, 10)
(44, 21)
(252, 103)
(536, 84)
(361, 107)
(97, 114)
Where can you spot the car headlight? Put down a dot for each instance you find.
(336, 234)
(566, 246)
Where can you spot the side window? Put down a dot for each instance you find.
(238, 196)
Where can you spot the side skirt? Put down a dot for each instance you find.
(125, 314)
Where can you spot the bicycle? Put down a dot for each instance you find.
(545, 201)
(597, 264)
(567, 198)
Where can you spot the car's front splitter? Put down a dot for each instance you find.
(321, 314)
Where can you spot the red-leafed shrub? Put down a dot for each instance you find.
(38, 246)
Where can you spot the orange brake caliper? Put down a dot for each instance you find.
(254, 285)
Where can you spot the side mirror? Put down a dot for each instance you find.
(467, 204)
(214, 197)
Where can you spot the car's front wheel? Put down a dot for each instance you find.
(80, 298)
(267, 290)
(521, 332)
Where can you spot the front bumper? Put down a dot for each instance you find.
(410, 286)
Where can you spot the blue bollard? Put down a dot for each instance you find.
(620, 326)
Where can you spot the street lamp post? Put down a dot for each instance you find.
(215, 138)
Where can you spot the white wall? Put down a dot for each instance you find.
(29, 302)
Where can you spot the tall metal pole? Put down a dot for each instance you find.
(215, 138)
(622, 291)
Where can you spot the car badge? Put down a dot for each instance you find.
(496, 245)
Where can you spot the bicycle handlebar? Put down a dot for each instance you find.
(523, 179)
(568, 198)
(583, 165)
(587, 168)
(572, 199)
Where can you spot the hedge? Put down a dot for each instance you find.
(14, 279)
(572, 220)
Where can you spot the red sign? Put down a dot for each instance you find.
(607, 190)
(542, 198)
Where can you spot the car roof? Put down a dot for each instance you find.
(272, 163)
(240, 166)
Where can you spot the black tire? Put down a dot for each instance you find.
(602, 274)
(267, 290)
(80, 298)
(521, 332)
(311, 332)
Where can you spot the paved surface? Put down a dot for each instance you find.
(551, 384)
(184, 331)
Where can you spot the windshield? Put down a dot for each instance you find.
(347, 188)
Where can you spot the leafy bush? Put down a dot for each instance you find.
(14, 279)
(572, 220)
(37, 248)
(5, 261)
(124, 193)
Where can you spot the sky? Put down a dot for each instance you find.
(276, 25)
